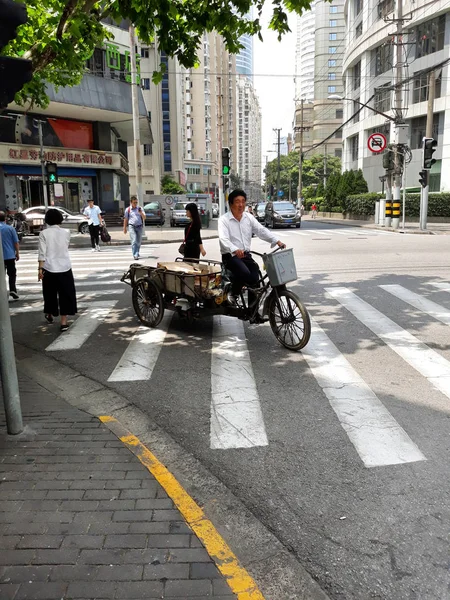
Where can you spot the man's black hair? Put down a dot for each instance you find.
(53, 217)
(234, 194)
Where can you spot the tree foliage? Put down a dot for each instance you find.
(62, 34)
(341, 186)
(170, 186)
(312, 173)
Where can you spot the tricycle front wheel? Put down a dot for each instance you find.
(147, 302)
(289, 320)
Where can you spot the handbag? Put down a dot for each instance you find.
(182, 248)
(104, 235)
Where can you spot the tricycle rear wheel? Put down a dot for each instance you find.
(289, 320)
(147, 302)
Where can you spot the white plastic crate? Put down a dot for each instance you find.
(280, 267)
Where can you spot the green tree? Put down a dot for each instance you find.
(170, 186)
(360, 186)
(331, 188)
(62, 34)
(312, 172)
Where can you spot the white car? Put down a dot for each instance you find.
(35, 220)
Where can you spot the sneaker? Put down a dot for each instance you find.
(97, 247)
(92, 249)
(14, 295)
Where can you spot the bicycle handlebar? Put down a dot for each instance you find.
(266, 253)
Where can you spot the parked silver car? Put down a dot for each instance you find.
(179, 216)
(35, 220)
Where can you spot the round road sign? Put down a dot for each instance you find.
(377, 142)
(169, 200)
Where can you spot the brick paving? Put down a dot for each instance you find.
(82, 518)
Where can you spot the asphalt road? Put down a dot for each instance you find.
(349, 465)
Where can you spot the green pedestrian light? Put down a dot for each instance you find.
(226, 161)
(52, 172)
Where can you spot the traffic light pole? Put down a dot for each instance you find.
(42, 157)
(429, 134)
(398, 72)
(10, 385)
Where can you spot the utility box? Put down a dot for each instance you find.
(280, 267)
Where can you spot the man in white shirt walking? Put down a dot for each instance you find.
(235, 238)
(95, 220)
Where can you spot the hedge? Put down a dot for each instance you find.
(364, 204)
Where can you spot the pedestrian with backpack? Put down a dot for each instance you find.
(134, 220)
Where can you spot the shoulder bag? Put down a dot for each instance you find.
(182, 248)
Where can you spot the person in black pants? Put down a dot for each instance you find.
(192, 235)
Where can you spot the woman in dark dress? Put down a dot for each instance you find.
(192, 236)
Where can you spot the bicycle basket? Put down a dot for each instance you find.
(280, 267)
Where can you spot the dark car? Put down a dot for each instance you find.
(260, 211)
(154, 214)
(282, 214)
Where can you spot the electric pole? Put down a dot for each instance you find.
(300, 129)
(325, 167)
(278, 161)
(135, 111)
(398, 111)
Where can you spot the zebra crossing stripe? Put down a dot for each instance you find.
(84, 295)
(428, 307)
(236, 416)
(83, 327)
(32, 288)
(140, 357)
(423, 359)
(377, 437)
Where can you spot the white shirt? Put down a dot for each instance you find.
(54, 249)
(237, 235)
(93, 214)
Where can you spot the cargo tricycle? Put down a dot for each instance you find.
(201, 288)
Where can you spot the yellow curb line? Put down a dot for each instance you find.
(240, 582)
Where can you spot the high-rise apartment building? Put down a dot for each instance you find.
(244, 60)
(209, 115)
(249, 138)
(368, 72)
(320, 51)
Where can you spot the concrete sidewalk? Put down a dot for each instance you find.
(154, 235)
(432, 228)
(82, 517)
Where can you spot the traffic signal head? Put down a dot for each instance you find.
(52, 172)
(225, 161)
(428, 149)
(423, 178)
(388, 159)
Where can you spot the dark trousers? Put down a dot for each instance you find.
(10, 266)
(192, 250)
(245, 271)
(94, 231)
(59, 293)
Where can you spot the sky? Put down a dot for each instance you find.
(276, 93)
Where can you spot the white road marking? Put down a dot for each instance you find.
(17, 307)
(377, 437)
(441, 286)
(78, 284)
(83, 327)
(423, 304)
(236, 417)
(140, 357)
(318, 232)
(423, 359)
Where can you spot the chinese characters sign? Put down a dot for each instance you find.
(24, 155)
(113, 61)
